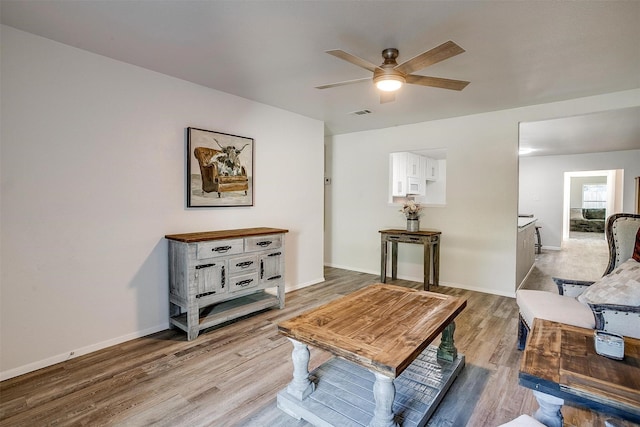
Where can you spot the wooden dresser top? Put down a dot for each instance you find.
(425, 232)
(203, 236)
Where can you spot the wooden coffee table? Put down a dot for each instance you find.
(560, 363)
(385, 371)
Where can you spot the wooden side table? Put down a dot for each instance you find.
(430, 239)
(560, 363)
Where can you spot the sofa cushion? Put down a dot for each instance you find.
(636, 248)
(621, 286)
(554, 307)
(594, 213)
(575, 213)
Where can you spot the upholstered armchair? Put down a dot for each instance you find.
(611, 303)
(212, 179)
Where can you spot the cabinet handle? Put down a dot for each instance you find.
(244, 283)
(198, 267)
(264, 243)
(205, 294)
(275, 254)
(244, 264)
(222, 249)
(223, 277)
(274, 277)
(261, 269)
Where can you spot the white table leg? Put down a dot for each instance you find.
(384, 393)
(300, 387)
(549, 412)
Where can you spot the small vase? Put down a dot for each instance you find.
(413, 223)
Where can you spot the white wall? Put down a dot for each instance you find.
(93, 177)
(478, 223)
(577, 183)
(542, 185)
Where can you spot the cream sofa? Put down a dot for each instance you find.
(612, 304)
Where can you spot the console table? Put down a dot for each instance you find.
(560, 363)
(384, 372)
(430, 239)
(216, 276)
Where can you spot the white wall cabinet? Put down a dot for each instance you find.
(218, 276)
(430, 169)
(399, 174)
(414, 165)
(409, 172)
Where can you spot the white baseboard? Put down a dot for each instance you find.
(34, 366)
(289, 287)
(447, 284)
(343, 267)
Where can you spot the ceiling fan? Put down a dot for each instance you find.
(390, 76)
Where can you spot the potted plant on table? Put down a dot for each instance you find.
(412, 211)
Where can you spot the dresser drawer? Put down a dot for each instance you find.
(245, 281)
(242, 264)
(218, 248)
(260, 243)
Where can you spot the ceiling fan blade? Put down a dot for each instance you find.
(346, 82)
(436, 82)
(433, 56)
(387, 97)
(353, 59)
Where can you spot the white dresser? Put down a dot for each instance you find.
(216, 276)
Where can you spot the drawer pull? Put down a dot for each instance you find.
(198, 267)
(275, 254)
(394, 237)
(244, 264)
(415, 239)
(264, 244)
(244, 283)
(274, 277)
(221, 249)
(205, 294)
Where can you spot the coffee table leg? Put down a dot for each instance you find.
(384, 392)
(300, 387)
(447, 350)
(549, 412)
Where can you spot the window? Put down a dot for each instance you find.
(594, 196)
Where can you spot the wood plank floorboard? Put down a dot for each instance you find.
(229, 375)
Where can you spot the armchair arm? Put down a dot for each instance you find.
(571, 288)
(619, 319)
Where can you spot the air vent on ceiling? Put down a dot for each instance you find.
(361, 112)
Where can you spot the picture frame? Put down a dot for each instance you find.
(219, 169)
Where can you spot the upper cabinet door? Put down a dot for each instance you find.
(413, 165)
(399, 174)
(431, 169)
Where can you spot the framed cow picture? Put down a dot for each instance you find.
(219, 169)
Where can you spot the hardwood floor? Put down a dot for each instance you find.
(229, 376)
(583, 257)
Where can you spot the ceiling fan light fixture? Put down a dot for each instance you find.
(389, 83)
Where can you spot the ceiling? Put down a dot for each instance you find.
(615, 130)
(518, 53)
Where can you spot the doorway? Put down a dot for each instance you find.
(589, 198)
